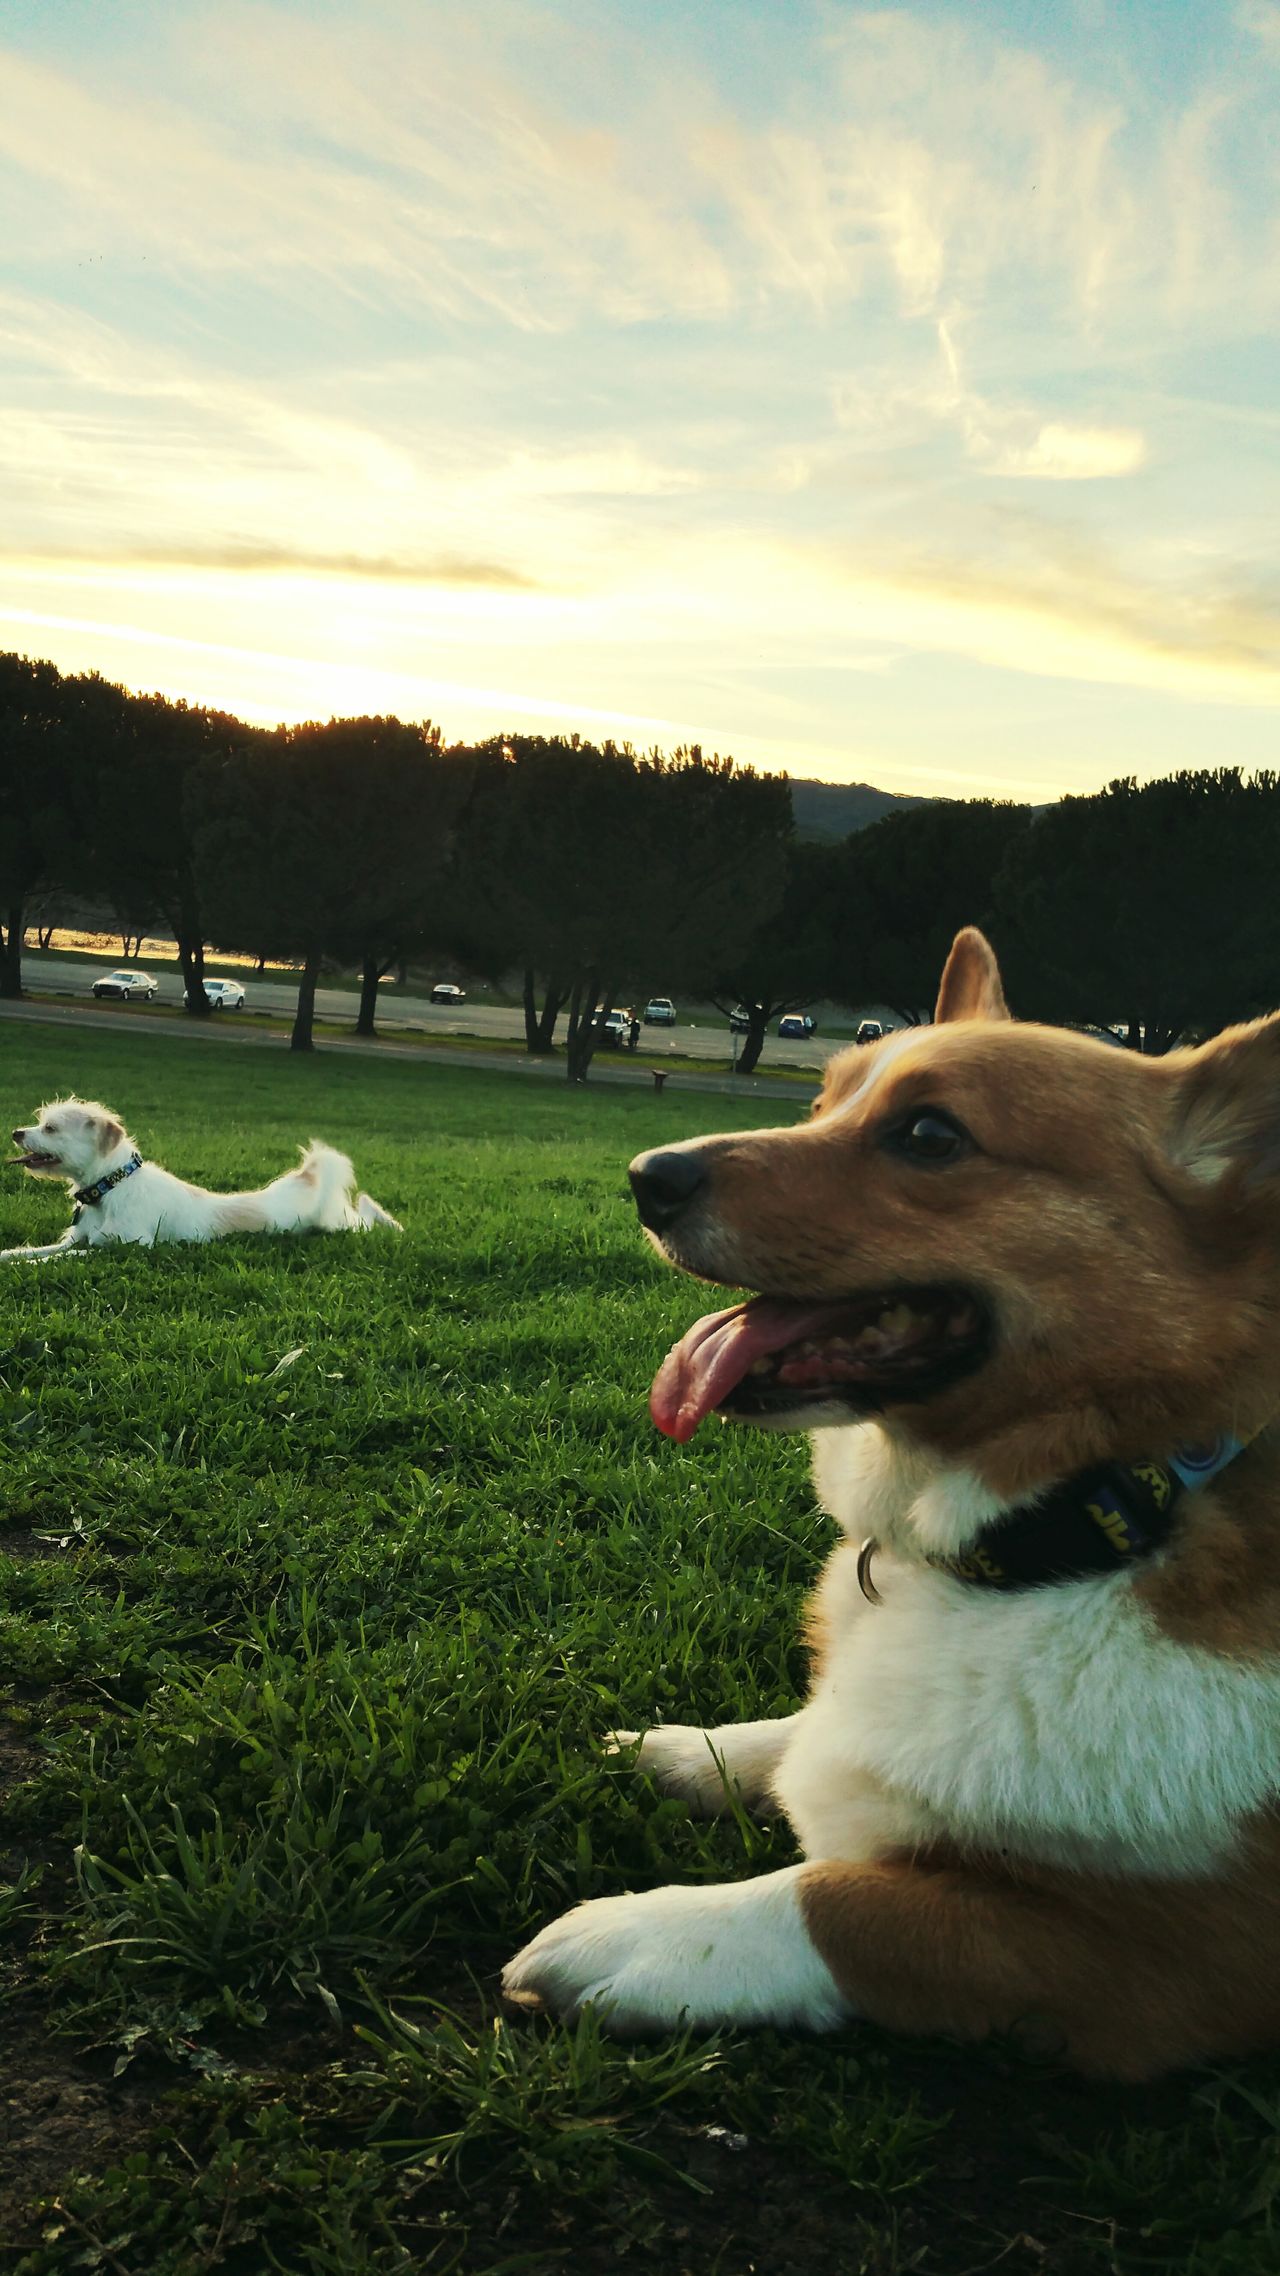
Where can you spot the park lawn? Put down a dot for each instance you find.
(323, 1563)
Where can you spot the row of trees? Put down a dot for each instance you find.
(598, 873)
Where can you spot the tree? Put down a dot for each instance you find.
(138, 823)
(401, 797)
(783, 966)
(903, 888)
(37, 803)
(325, 839)
(596, 870)
(1151, 906)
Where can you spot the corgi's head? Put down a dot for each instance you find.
(73, 1138)
(990, 1234)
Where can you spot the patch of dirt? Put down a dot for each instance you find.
(20, 1541)
(21, 1757)
(58, 2116)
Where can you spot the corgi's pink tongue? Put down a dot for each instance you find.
(718, 1351)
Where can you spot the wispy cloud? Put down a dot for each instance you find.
(257, 557)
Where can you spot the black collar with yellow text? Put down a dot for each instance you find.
(1099, 1521)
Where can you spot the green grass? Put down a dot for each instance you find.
(322, 1566)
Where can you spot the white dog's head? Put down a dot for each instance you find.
(74, 1138)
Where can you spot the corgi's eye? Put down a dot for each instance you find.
(928, 1136)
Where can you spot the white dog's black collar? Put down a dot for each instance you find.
(86, 1196)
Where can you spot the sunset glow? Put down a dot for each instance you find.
(884, 394)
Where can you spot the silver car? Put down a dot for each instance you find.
(223, 995)
(126, 987)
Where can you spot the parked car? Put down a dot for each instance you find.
(444, 992)
(224, 995)
(126, 987)
(740, 1021)
(797, 1024)
(868, 1031)
(659, 1012)
(617, 1029)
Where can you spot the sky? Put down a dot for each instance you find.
(886, 394)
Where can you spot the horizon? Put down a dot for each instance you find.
(882, 395)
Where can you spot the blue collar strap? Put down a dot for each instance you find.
(86, 1195)
(1114, 1515)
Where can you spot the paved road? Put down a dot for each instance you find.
(396, 1008)
(605, 1069)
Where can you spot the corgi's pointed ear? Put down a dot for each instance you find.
(1227, 1114)
(112, 1131)
(970, 986)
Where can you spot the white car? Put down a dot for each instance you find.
(223, 995)
(126, 987)
(617, 1029)
(446, 992)
(659, 1012)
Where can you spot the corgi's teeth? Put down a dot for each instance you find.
(898, 1321)
(760, 1367)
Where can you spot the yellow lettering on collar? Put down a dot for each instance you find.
(1156, 1481)
(1110, 1522)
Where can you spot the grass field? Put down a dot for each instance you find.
(323, 1563)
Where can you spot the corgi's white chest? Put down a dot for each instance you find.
(1055, 1723)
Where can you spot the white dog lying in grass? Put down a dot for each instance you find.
(119, 1197)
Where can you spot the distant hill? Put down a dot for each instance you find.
(834, 809)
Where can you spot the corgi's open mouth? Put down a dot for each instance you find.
(33, 1159)
(772, 1360)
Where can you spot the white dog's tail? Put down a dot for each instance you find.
(319, 1196)
(323, 1182)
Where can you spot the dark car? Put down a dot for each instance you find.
(797, 1024)
(740, 1021)
(444, 992)
(868, 1031)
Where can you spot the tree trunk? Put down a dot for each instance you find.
(301, 1038)
(188, 930)
(531, 1043)
(552, 1005)
(753, 1045)
(583, 1033)
(540, 1021)
(191, 958)
(370, 974)
(11, 955)
(575, 1000)
(44, 935)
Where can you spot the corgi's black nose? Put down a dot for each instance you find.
(665, 1183)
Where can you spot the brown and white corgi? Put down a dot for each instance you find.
(1025, 1291)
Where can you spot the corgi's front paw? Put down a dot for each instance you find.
(737, 1953)
(681, 1759)
(713, 1771)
